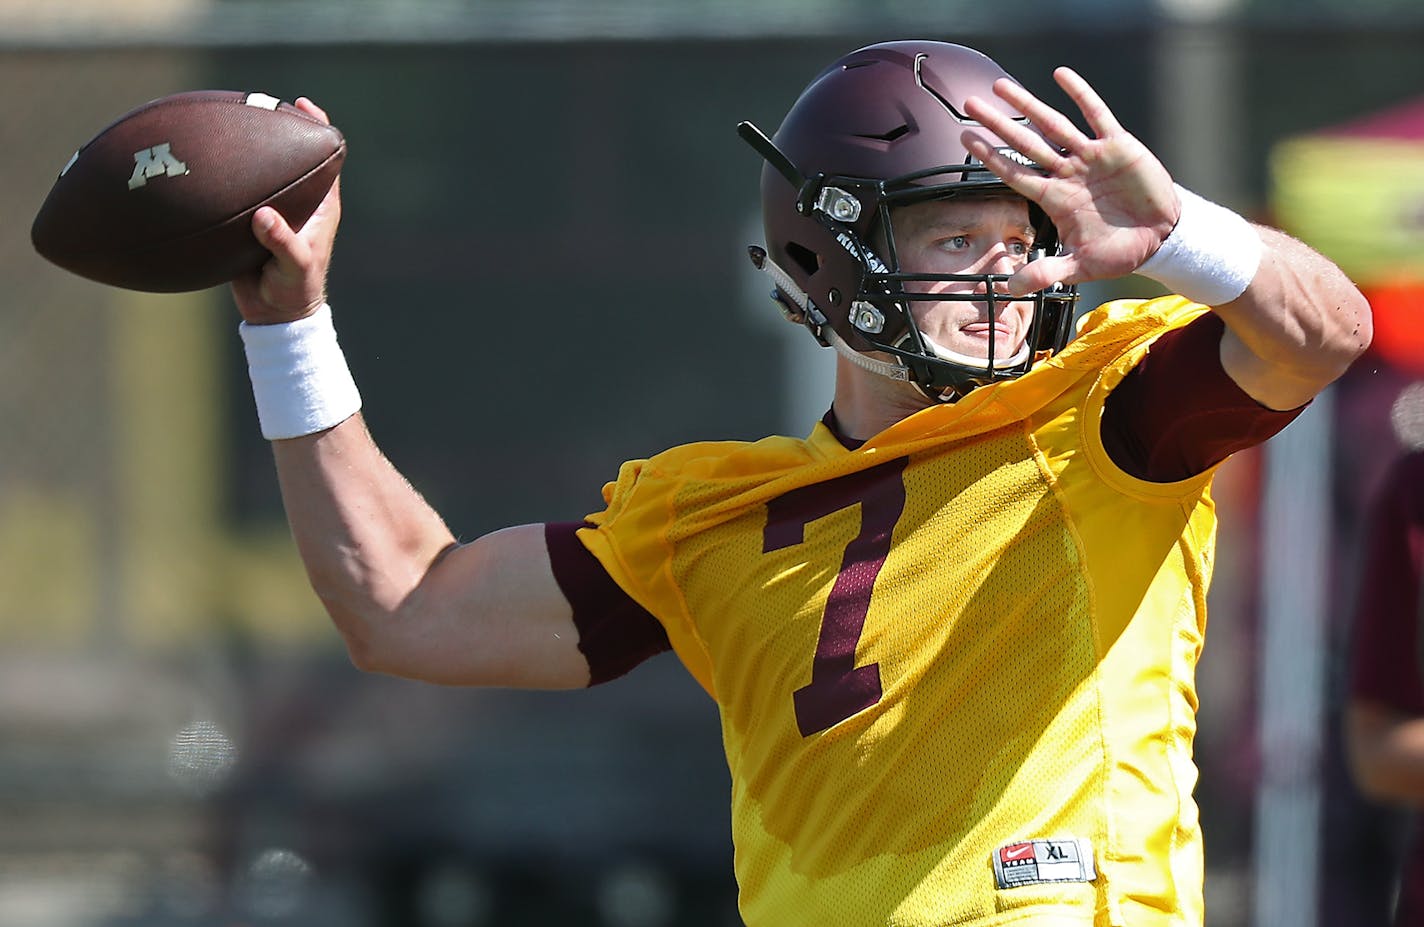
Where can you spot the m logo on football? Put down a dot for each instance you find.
(157, 161)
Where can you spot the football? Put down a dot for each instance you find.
(162, 199)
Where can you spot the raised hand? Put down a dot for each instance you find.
(292, 284)
(1110, 198)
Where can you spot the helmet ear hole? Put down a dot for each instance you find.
(805, 258)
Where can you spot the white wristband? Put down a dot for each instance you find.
(1210, 257)
(299, 376)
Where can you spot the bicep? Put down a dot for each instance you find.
(489, 613)
(1178, 413)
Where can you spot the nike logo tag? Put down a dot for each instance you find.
(1040, 861)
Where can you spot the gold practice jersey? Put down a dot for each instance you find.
(955, 665)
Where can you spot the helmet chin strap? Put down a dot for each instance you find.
(823, 328)
(892, 369)
(967, 360)
(952, 394)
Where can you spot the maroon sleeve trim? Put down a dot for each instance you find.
(1178, 413)
(615, 633)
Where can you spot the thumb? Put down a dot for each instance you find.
(272, 231)
(282, 283)
(288, 249)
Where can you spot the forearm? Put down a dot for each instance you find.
(407, 599)
(1386, 753)
(1296, 328)
(366, 537)
(1294, 321)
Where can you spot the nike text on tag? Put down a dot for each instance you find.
(1035, 862)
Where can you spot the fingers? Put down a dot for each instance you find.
(292, 283)
(1056, 127)
(311, 109)
(1020, 177)
(1099, 117)
(1042, 274)
(1015, 133)
(329, 209)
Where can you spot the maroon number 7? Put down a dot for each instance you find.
(839, 688)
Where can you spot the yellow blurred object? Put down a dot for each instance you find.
(1355, 192)
(1359, 201)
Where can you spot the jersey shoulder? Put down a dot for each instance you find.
(723, 463)
(1117, 326)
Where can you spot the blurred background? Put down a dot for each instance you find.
(541, 273)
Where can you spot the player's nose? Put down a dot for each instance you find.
(1001, 259)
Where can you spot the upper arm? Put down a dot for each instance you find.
(1299, 325)
(1177, 413)
(486, 613)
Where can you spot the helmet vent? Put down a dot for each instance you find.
(898, 132)
(805, 258)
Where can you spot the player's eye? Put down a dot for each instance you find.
(955, 243)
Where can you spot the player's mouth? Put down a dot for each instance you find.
(982, 330)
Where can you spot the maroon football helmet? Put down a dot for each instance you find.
(880, 129)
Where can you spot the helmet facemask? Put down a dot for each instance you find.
(882, 312)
